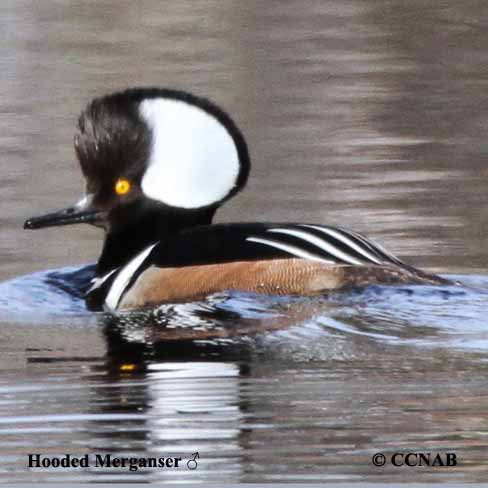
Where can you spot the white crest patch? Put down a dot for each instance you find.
(194, 160)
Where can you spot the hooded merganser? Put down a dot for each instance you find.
(158, 163)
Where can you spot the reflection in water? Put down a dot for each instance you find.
(196, 407)
(218, 320)
(262, 388)
(181, 407)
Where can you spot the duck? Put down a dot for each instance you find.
(158, 163)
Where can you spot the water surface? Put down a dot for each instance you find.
(366, 114)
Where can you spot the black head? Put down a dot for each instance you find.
(153, 154)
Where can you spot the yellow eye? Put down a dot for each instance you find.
(122, 187)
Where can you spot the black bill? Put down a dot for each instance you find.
(81, 213)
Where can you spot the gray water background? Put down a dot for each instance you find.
(366, 114)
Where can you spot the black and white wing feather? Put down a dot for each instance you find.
(221, 243)
(330, 245)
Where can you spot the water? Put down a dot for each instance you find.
(364, 114)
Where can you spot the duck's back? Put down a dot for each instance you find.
(279, 259)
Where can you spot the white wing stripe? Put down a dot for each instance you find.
(388, 253)
(346, 241)
(377, 247)
(289, 249)
(320, 243)
(122, 280)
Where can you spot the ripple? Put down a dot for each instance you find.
(422, 316)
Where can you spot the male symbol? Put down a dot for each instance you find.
(192, 463)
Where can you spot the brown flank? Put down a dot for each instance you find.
(274, 277)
